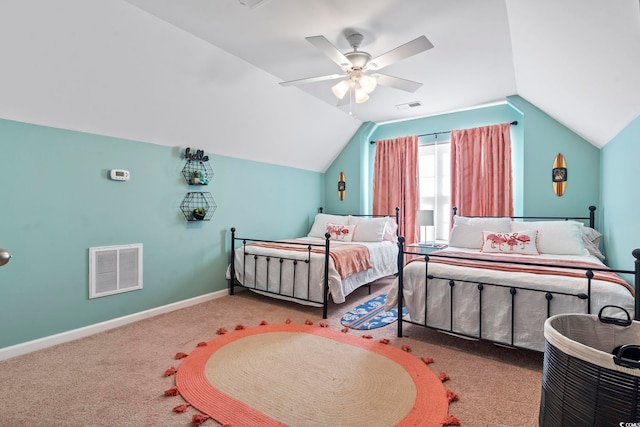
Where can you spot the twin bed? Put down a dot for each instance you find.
(340, 254)
(498, 280)
(501, 278)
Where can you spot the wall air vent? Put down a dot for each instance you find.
(413, 104)
(114, 269)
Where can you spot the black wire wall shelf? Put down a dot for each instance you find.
(197, 172)
(198, 206)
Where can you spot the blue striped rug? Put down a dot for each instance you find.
(371, 315)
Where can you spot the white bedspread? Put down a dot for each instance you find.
(531, 310)
(309, 278)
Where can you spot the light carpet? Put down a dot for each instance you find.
(307, 375)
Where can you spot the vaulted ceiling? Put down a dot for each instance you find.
(207, 72)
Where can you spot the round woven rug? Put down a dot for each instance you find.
(302, 375)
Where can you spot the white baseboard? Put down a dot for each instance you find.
(29, 346)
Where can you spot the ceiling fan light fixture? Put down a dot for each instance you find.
(354, 64)
(341, 89)
(368, 83)
(361, 95)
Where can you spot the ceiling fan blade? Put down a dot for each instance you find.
(397, 82)
(313, 79)
(330, 50)
(401, 52)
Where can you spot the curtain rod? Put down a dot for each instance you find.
(513, 123)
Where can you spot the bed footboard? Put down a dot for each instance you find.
(483, 302)
(299, 269)
(277, 271)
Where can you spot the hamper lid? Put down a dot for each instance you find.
(585, 337)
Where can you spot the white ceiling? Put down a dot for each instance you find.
(471, 62)
(578, 60)
(205, 73)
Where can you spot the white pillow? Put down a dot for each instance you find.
(518, 242)
(591, 240)
(556, 237)
(590, 234)
(467, 231)
(342, 233)
(390, 230)
(319, 227)
(368, 229)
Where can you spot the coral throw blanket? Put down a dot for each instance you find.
(348, 258)
(506, 263)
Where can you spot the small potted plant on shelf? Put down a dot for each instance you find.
(197, 176)
(199, 213)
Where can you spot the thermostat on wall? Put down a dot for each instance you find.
(119, 174)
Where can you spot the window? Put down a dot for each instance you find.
(434, 169)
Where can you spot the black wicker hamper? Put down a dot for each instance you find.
(583, 382)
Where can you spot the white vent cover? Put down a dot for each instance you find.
(114, 269)
(413, 104)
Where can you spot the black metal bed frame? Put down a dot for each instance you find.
(280, 260)
(513, 290)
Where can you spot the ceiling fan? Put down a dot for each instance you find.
(360, 76)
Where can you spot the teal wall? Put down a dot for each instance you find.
(543, 139)
(56, 201)
(620, 201)
(357, 159)
(536, 140)
(353, 162)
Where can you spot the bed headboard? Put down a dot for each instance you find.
(395, 215)
(591, 219)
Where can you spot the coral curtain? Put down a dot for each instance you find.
(395, 182)
(481, 171)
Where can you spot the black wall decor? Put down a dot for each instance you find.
(197, 205)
